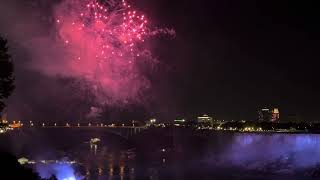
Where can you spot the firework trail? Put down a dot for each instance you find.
(104, 42)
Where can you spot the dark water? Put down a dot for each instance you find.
(177, 154)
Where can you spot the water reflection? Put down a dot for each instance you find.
(182, 158)
(276, 152)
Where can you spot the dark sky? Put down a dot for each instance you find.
(231, 57)
(228, 59)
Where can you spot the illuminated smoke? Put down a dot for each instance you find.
(102, 43)
(109, 62)
(164, 31)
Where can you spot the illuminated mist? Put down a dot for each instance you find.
(288, 151)
(62, 171)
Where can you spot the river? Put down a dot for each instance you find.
(177, 154)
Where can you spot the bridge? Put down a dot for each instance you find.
(122, 130)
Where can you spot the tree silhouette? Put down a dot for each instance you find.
(6, 73)
(12, 169)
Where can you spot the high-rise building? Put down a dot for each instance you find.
(275, 115)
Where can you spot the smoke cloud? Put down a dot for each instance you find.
(68, 53)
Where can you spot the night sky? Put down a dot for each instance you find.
(229, 58)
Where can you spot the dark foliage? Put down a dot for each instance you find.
(12, 169)
(6, 73)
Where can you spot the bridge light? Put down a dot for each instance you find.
(101, 124)
(122, 124)
(31, 124)
(78, 125)
(55, 124)
(43, 124)
(89, 124)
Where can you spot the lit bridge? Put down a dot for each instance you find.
(123, 130)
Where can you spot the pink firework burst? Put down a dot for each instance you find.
(103, 41)
(116, 29)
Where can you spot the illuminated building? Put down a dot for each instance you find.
(94, 140)
(15, 124)
(205, 120)
(268, 115)
(275, 115)
(179, 122)
(23, 161)
(151, 122)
